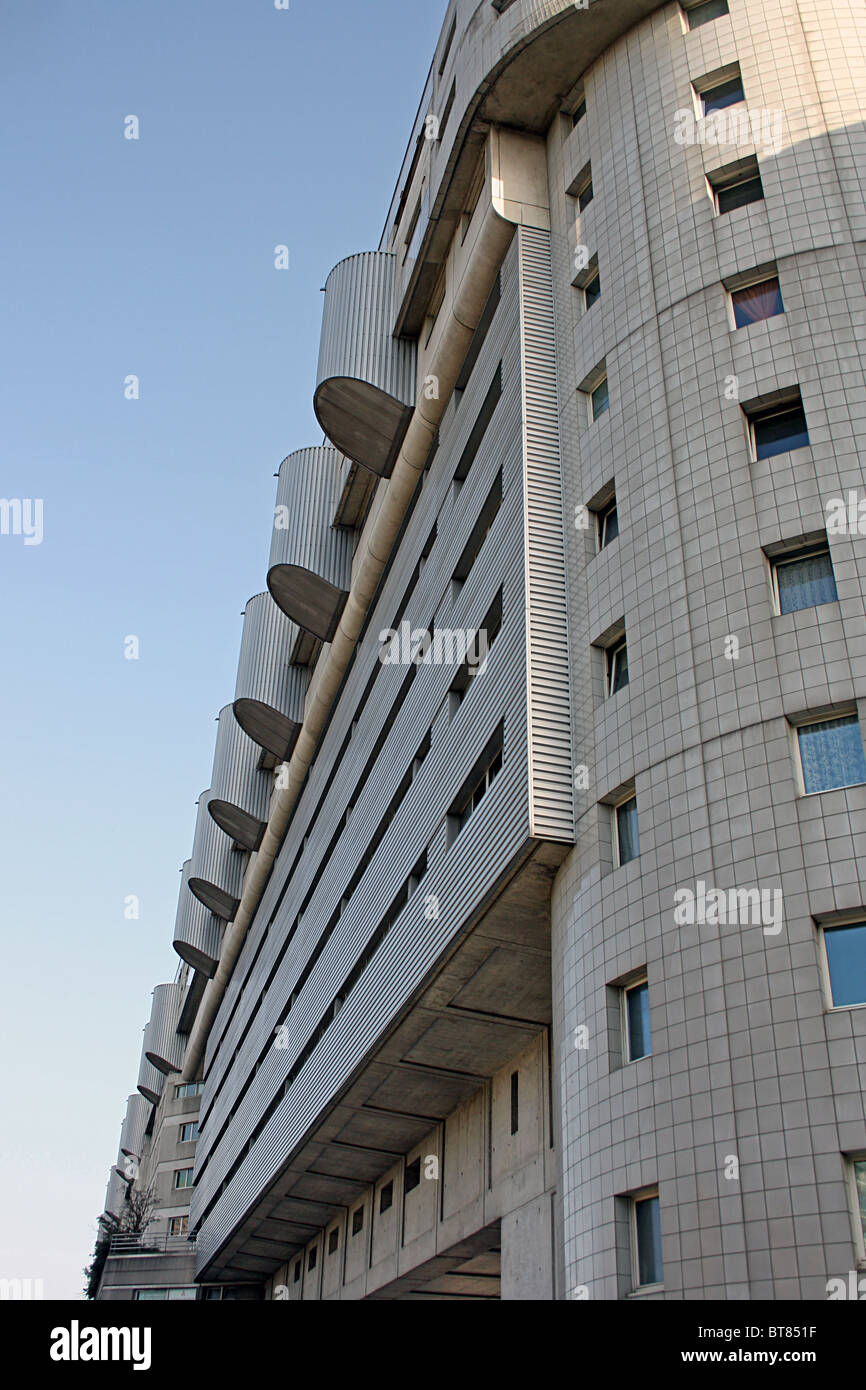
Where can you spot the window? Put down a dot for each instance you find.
(187, 1295)
(413, 1175)
(312, 1257)
(188, 1088)
(585, 196)
(476, 188)
(599, 400)
(647, 1241)
(704, 11)
(627, 839)
(778, 428)
(804, 579)
(608, 524)
(446, 110)
(386, 1197)
(617, 667)
(178, 1225)
(515, 1102)
(296, 1276)
(736, 185)
(183, 1177)
(637, 1021)
(579, 112)
(478, 649)
(718, 94)
(486, 518)
(448, 42)
(333, 1241)
(860, 1190)
(581, 188)
(756, 302)
(831, 754)
(592, 291)
(189, 1132)
(845, 948)
(357, 1221)
(477, 785)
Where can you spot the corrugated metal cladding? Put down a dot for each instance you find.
(150, 1080)
(265, 676)
(216, 864)
(357, 322)
(134, 1124)
(163, 1045)
(115, 1193)
(236, 1094)
(550, 756)
(303, 534)
(236, 778)
(197, 932)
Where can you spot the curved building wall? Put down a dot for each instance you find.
(744, 1113)
(269, 695)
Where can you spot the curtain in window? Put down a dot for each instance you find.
(806, 583)
(832, 754)
(757, 302)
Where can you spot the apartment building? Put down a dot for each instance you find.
(523, 936)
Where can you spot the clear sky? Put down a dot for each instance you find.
(152, 258)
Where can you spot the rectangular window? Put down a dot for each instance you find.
(592, 291)
(476, 188)
(178, 1226)
(581, 188)
(579, 112)
(333, 1240)
(846, 962)
(831, 754)
(754, 303)
(515, 1102)
(804, 579)
(312, 1257)
(357, 1221)
(479, 647)
(486, 518)
(637, 1021)
(777, 429)
(704, 11)
(617, 667)
(386, 1197)
(599, 399)
(608, 524)
(189, 1088)
(448, 42)
(189, 1132)
(478, 784)
(413, 1175)
(446, 110)
(735, 186)
(183, 1177)
(860, 1190)
(296, 1277)
(719, 95)
(627, 838)
(647, 1241)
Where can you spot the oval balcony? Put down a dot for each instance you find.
(197, 932)
(150, 1079)
(311, 560)
(163, 1045)
(216, 870)
(239, 792)
(269, 696)
(365, 390)
(134, 1126)
(115, 1193)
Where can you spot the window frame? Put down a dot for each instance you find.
(788, 557)
(635, 1199)
(752, 284)
(690, 8)
(852, 1162)
(713, 82)
(618, 861)
(611, 653)
(833, 925)
(726, 178)
(811, 721)
(759, 414)
(602, 517)
(625, 990)
(183, 1186)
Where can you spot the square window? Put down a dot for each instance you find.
(189, 1132)
(637, 1021)
(608, 525)
(386, 1197)
(804, 579)
(737, 186)
(846, 963)
(831, 754)
(647, 1241)
(627, 839)
(599, 399)
(617, 667)
(778, 429)
(721, 95)
(754, 303)
(183, 1177)
(704, 12)
(592, 291)
(178, 1226)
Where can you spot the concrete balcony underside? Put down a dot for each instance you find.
(483, 1005)
(466, 1272)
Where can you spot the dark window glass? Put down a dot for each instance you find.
(649, 1241)
(638, 1019)
(580, 111)
(739, 193)
(706, 11)
(757, 302)
(413, 1175)
(627, 831)
(846, 957)
(600, 399)
(333, 1241)
(357, 1220)
(617, 670)
(608, 526)
(515, 1102)
(592, 291)
(724, 94)
(805, 581)
(296, 1277)
(386, 1197)
(779, 431)
(312, 1257)
(585, 196)
(832, 754)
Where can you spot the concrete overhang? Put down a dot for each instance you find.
(312, 602)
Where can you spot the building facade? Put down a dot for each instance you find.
(523, 936)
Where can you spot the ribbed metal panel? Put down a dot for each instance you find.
(458, 878)
(163, 1045)
(239, 792)
(269, 696)
(366, 378)
(134, 1124)
(311, 560)
(216, 871)
(115, 1193)
(197, 932)
(550, 756)
(150, 1080)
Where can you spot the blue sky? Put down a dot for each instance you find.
(155, 258)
